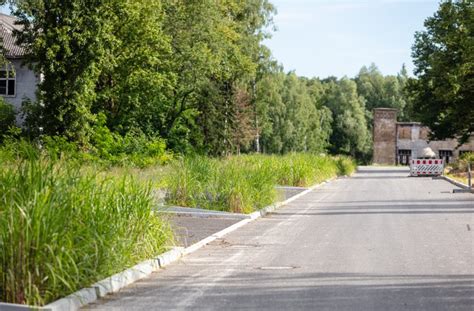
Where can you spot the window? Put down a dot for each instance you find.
(7, 81)
(404, 156)
(447, 155)
(404, 132)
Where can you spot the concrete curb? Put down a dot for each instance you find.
(116, 282)
(456, 183)
(15, 307)
(205, 215)
(264, 211)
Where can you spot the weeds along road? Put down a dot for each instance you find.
(377, 241)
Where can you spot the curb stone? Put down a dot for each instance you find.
(116, 282)
(456, 183)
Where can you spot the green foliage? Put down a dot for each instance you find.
(350, 130)
(244, 184)
(61, 230)
(468, 156)
(59, 146)
(459, 168)
(136, 79)
(290, 114)
(383, 91)
(7, 117)
(134, 148)
(444, 64)
(303, 169)
(107, 148)
(67, 42)
(226, 185)
(14, 149)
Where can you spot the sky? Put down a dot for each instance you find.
(321, 38)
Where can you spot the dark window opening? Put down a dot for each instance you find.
(11, 87)
(446, 155)
(404, 156)
(7, 82)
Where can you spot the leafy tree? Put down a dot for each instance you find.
(292, 117)
(67, 43)
(350, 131)
(270, 108)
(214, 56)
(136, 80)
(382, 91)
(444, 65)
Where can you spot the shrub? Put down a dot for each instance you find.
(135, 148)
(61, 230)
(7, 117)
(461, 164)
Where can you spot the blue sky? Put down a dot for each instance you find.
(320, 38)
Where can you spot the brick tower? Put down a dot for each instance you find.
(385, 136)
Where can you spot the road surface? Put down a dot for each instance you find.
(376, 241)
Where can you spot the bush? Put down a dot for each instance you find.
(134, 148)
(468, 157)
(61, 230)
(7, 117)
(461, 164)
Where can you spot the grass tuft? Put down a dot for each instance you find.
(62, 229)
(243, 184)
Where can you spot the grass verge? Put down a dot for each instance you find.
(246, 183)
(62, 229)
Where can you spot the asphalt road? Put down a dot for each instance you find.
(377, 241)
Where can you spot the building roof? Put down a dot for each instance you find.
(7, 26)
(410, 123)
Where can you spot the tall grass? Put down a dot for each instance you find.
(247, 183)
(61, 230)
(230, 185)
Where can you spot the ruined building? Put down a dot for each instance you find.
(398, 142)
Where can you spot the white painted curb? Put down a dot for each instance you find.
(144, 269)
(205, 215)
(15, 307)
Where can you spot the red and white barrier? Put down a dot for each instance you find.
(426, 167)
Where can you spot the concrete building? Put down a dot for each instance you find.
(17, 81)
(398, 142)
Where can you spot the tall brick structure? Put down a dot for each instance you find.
(385, 135)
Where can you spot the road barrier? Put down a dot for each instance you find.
(426, 167)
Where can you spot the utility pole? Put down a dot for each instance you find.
(469, 175)
(257, 134)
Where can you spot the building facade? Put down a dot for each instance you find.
(398, 142)
(17, 82)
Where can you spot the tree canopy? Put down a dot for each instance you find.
(443, 93)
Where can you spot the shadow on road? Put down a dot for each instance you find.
(394, 171)
(267, 290)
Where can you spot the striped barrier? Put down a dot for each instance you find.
(426, 167)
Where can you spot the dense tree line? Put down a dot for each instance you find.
(192, 72)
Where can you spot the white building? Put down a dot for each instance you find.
(17, 81)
